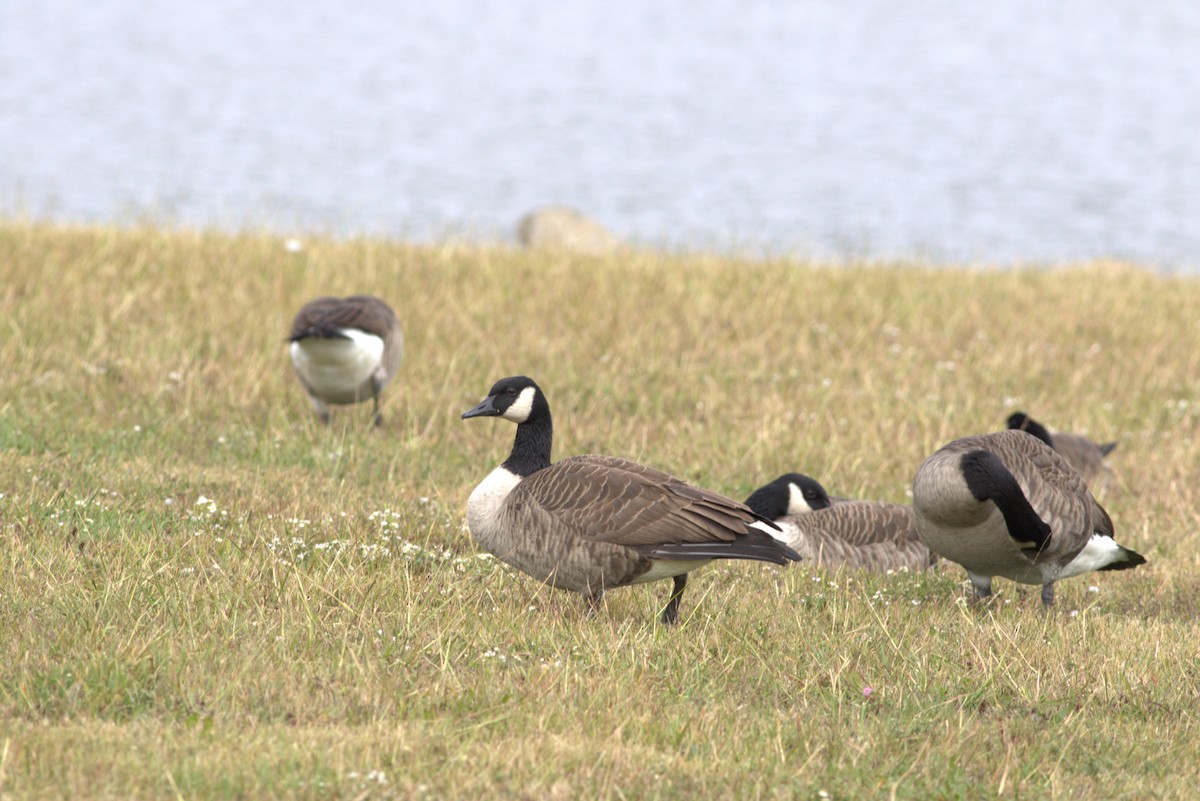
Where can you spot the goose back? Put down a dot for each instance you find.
(871, 535)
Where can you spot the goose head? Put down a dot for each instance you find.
(517, 398)
(790, 494)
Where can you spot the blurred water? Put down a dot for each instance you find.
(1010, 131)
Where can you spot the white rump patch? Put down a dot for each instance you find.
(1101, 550)
(521, 407)
(797, 505)
(339, 370)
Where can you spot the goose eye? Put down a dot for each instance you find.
(511, 391)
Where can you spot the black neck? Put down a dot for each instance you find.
(989, 480)
(531, 446)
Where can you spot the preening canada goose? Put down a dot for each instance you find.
(591, 523)
(345, 350)
(1086, 456)
(1006, 504)
(867, 534)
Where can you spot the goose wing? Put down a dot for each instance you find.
(862, 522)
(612, 500)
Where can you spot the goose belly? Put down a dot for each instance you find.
(339, 370)
(985, 549)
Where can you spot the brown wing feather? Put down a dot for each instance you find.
(607, 499)
(364, 312)
(862, 522)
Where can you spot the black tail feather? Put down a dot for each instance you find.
(1132, 559)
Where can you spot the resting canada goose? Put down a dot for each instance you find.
(869, 534)
(345, 350)
(1006, 504)
(790, 494)
(1086, 456)
(591, 523)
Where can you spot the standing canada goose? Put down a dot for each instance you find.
(345, 350)
(1006, 504)
(591, 523)
(1086, 456)
(833, 532)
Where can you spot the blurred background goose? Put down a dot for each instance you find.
(345, 350)
(1006, 504)
(591, 523)
(835, 532)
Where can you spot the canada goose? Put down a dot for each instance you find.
(591, 523)
(1006, 504)
(345, 350)
(832, 532)
(1086, 456)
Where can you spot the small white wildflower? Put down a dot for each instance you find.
(1074, 613)
(1093, 588)
(294, 246)
(137, 429)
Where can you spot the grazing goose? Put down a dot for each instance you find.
(1006, 504)
(591, 523)
(1086, 456)
(345, 350)
(868, 534)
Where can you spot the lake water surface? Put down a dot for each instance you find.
(1001, 132)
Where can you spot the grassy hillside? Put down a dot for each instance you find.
(206, 594)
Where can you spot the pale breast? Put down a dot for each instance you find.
(483, 509)
(338, 370)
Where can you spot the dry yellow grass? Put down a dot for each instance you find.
(321, 624)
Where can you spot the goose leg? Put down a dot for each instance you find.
(1048, 594)
(376, 389)
(593, 601)
(377, 417)
(983, 586)
(321, 408)
(670, 615)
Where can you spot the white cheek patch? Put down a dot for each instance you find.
(521, 407)
(796, 503)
